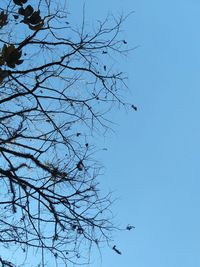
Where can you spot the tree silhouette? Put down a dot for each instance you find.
(55, 90)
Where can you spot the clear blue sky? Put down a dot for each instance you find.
(152, 162)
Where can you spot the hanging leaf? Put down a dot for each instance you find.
(18, 62)
(1, 61)
(19, 2)
(35, 18)
(80, 166)
(31, 18)
(15, 16)
(3, 19)
(37, 27)
(11, 56)
(21, 11)
(3, 75)
(28, 11)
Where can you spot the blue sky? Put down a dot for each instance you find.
(152, 162)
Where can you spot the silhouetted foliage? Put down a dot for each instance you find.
(55, 90)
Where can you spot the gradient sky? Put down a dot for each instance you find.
(152, 162)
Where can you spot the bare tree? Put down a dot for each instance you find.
(55, 91)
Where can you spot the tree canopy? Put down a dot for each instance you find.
(57, 83)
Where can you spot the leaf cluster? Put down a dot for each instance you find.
(31, 18)
(10, 56)
(3, 19)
